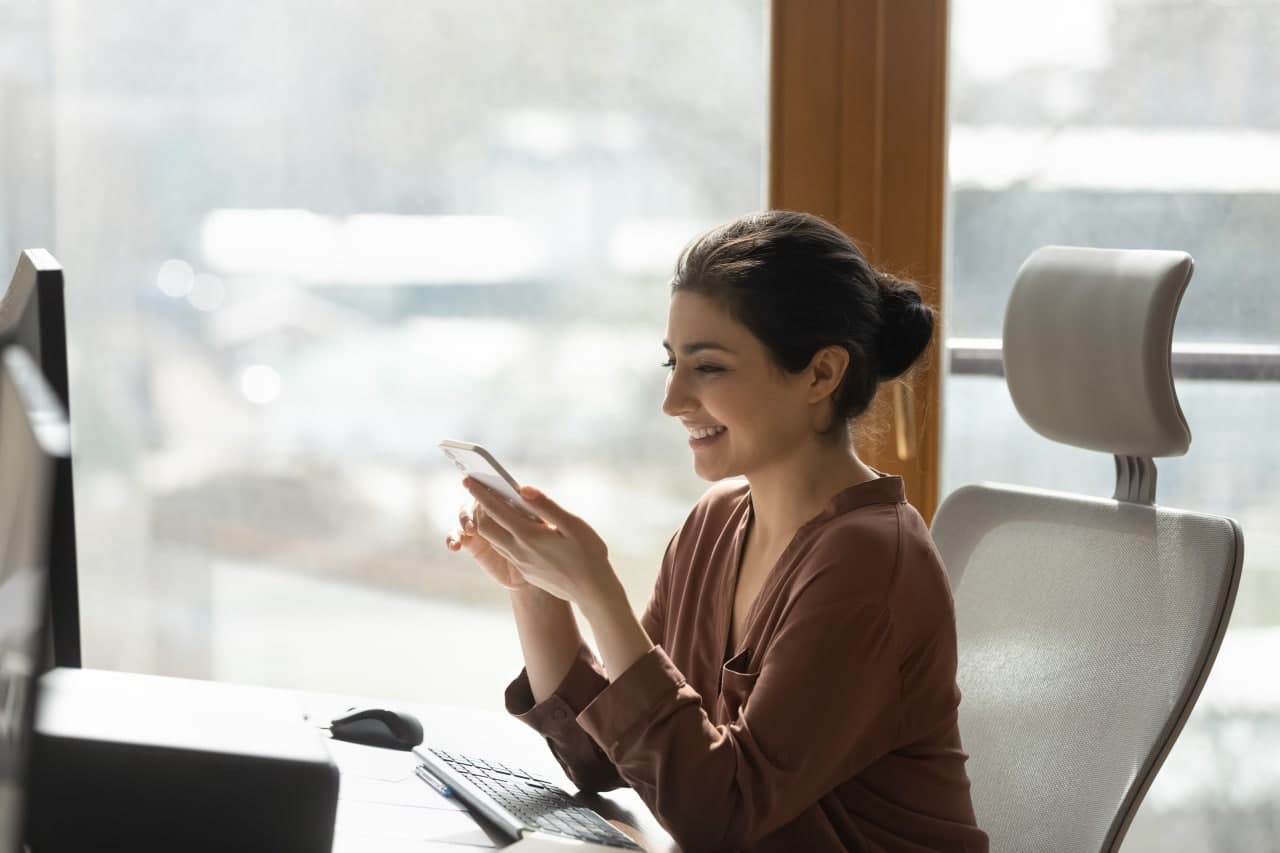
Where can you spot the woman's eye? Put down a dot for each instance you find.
(670, 364)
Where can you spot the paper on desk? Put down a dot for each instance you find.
(360, 843)
(371, 775)
(370, 762)
(539, 843)
(409, 823)
(404, 792)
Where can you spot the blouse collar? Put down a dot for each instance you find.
(884, 489)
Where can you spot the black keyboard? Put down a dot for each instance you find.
(518, 802)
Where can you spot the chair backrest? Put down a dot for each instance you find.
(1087, 626)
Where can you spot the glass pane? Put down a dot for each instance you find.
(1117, 123)
(1138, 124)
(304, 242)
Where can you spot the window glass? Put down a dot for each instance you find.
(1117, 123)
(306, 241)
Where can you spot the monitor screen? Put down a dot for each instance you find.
(33, 316)
(33, 436)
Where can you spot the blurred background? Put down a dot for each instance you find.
(1140, 124)
(304, 241)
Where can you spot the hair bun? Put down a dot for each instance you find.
(906, 325)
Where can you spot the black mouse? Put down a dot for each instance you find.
(378, 727)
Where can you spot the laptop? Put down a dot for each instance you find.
(33, 435)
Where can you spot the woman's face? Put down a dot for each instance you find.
(743, 413)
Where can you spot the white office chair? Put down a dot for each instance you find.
(1087, 626)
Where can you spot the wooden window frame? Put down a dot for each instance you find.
(857, 135)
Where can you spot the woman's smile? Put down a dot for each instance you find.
(704, 436)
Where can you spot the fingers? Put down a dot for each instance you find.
(466, 517)
(465, 533)
(466, 528)
(506, 556)
(495, 532)
(476, 543)
(494, 506)
(458, 539)
(547, 508)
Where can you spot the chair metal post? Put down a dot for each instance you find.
(1136, 480)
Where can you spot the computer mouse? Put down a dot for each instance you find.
(378, 727)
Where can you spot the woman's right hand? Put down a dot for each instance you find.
(465, 538)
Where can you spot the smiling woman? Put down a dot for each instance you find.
(713, 705)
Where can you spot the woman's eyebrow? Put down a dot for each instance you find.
(698, 346)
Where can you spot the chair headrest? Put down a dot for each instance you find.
(1088, 337)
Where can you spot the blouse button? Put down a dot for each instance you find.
(559, 714)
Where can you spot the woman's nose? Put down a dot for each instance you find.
(675, 401)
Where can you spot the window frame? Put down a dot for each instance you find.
(857, 135)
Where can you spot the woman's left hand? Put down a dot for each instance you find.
(561, 554)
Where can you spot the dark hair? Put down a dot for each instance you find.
(799, 284)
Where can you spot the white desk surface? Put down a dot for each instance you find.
(383, 806)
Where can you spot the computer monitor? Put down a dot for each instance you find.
(33, 316)
(34, 435)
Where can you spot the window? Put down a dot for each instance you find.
(1138, 124)
(305, 242)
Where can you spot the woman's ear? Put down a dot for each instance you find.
(826, 372)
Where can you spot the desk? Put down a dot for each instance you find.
(383, 807)
(365, 825)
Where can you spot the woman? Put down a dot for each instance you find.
(791, 684)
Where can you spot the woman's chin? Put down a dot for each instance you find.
(713, 472)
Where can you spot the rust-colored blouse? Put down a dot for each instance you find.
(831, 727)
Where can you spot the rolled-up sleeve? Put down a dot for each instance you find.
(803, 728)
(556, 717)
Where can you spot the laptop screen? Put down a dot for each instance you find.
(33, 434)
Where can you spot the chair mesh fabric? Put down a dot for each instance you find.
(1086, 628)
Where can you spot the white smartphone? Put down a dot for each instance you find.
(474, 461)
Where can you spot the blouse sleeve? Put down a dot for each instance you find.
(822, 706)
(556, 717)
